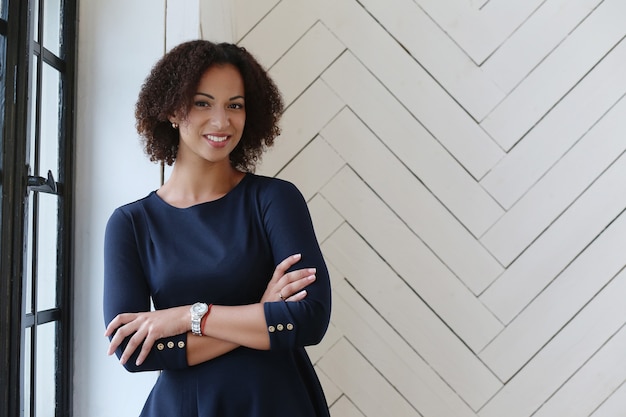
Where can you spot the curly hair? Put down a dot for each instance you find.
(172, 83)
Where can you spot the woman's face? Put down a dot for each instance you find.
(215, 122)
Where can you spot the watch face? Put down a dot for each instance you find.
(199, 308)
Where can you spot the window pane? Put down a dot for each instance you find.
(47, 252)
(46, 364)
(33, 126)
(49, 130)
(52, 26)
(28, 346)
(28, 285)
(36, 21)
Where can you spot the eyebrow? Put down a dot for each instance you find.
(213, 98)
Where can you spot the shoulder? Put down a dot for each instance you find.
(125, 213)
(273, 187)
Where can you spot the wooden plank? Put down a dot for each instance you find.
(613, 406)
(411, 84)
(559, 130)
(555, 306)
(362, 383)
(300, 124)
(432, 48)
(305, 170)
(535, 39)
(405, 311)
(267, 43)
(413, 144)
(563, 355)
(303, 63)
(216, 20)
(592, 384)
(555, 248)
(345, 408)
(554, 78)
(246, 15)
(385, 349)
(412, 260)
(479, 32)
(332, 336)
(331, 391)
(412, 201)
(325, 218)
(534, 212)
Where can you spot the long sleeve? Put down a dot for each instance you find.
(126, 290)
(290, 230)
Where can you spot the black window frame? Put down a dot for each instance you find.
(21, 50)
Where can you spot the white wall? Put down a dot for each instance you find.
(464, 162)
(118, 42)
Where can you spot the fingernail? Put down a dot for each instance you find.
(312, 270)
(311, 277)
(297, 255)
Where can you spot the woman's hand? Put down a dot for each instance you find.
(288, 286)
(146, 327)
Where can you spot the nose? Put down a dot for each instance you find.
(219, 118)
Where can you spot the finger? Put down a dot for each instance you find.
(118, 321)
(297, 297)
(132, 345)
(282, 267)
(119, 337)
(145, 350)
(296, 286)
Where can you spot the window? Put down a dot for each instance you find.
(37, 49)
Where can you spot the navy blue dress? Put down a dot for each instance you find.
(222, 252)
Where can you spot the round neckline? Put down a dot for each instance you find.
(204, 203)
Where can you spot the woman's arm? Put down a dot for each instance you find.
(134, 335)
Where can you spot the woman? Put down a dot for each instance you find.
(228, 258)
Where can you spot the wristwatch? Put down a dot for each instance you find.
(198, 310)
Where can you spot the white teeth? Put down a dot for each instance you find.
(217, 138)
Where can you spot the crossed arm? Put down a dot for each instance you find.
(227, 327)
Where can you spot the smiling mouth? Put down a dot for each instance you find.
(217, 138)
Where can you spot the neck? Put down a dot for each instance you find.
(191, 184)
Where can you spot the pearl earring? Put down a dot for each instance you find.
(175, 125)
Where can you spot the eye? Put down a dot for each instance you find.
(201, 103)
(235, 106)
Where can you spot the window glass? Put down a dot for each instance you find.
(47, 240)
(52, 26)
(36, 20)
(28, 344)
(28, 267)
(45, 373)
(49, 124)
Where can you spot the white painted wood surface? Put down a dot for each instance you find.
(464, 163)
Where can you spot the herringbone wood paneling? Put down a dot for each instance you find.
(465, 165)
